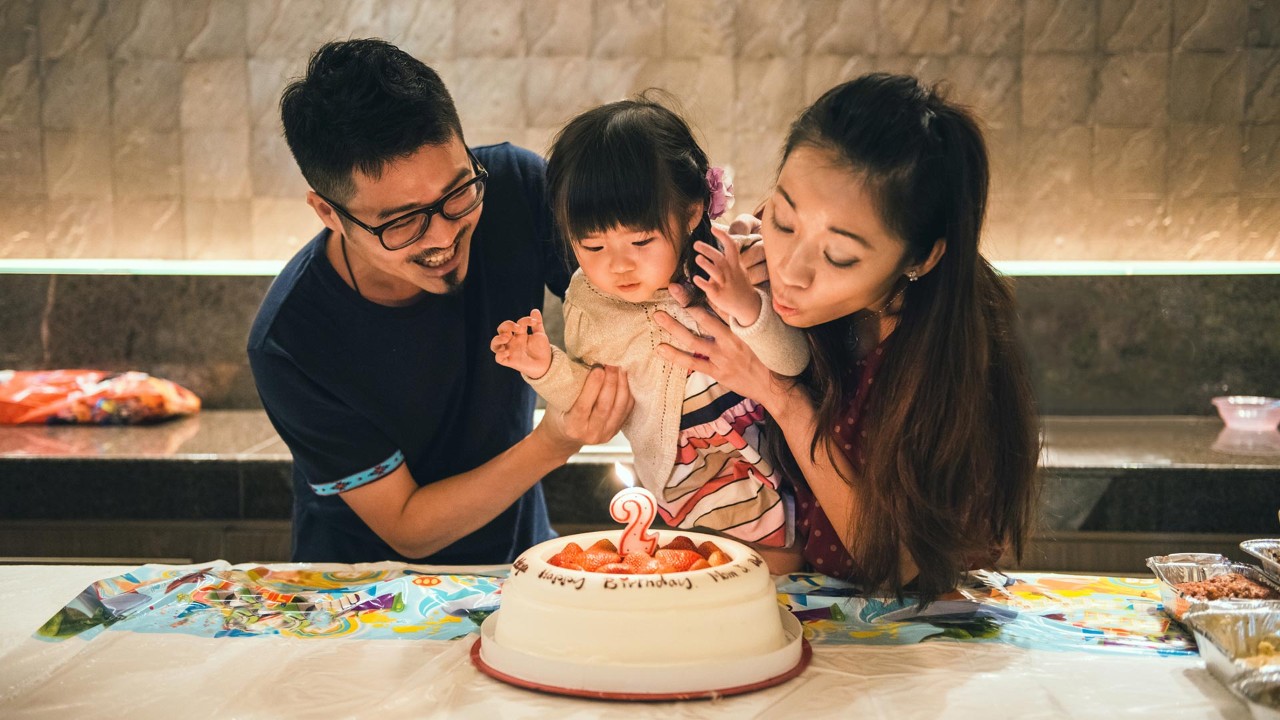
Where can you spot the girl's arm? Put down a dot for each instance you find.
(562, 382)
(749, 309)
(782, 348)
(523, 345)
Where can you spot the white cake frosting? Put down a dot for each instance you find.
(715, 614)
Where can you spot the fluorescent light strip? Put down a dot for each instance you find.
(270, 268)
(79, 266)
(1087, 268)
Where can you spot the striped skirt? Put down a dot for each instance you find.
(720, 480)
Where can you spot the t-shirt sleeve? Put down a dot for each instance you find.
(559, 270)
(334, 448)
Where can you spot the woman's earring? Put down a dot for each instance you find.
(913, 275)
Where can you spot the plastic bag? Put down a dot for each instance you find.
(385, 601)
(93, 397)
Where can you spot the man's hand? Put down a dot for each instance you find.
(727, 285)
(596, 416)
(523, 345)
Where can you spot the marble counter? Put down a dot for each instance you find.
(219, 485)
(1113, 442)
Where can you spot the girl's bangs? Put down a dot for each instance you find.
(604, 192)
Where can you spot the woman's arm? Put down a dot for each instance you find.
(797, 417)
(727, 358)
(824, 469)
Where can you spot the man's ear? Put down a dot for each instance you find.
(939, 249)
(325, 212)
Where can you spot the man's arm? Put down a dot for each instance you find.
(419, 521)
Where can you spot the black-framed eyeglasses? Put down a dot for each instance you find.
(401, 232)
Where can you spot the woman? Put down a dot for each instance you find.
(914, 428)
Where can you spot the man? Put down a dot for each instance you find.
(371, 349)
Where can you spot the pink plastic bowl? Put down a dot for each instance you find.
(1249, 412)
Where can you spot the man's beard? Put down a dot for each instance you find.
(452, 283)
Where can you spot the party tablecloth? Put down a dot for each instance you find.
(283, 641)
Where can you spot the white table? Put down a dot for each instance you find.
(173, 676)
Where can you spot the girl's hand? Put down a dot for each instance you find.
(719, 353)
(523, 345)
(727, 285)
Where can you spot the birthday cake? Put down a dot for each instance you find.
(639, 614)
(716, 613)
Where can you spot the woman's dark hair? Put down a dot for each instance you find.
(362, 104)
(630, 164)
(952, 436)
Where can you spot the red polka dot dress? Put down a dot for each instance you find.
(819, 542)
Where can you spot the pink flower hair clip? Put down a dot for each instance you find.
(720, 182)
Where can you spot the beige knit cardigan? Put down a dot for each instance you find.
(600, 329)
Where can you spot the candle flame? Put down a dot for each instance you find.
(624, 474)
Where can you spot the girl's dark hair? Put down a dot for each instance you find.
(630, 164)
(952, 436)
(362, 104)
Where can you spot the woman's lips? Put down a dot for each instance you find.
(783, 310)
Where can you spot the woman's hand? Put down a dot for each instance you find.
(523, 345)
(718, 352)
(746, 224)
(746, 230)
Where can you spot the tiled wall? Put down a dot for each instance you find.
(1152, 345)
(1120, 129)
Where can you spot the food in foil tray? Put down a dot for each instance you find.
(1228, 585)
(1267, 654)
(1188, 579)
(1268, 551)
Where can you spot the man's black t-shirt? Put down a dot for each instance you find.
(356, 388)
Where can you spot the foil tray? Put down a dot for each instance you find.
(1190, 567)
(1260, 690)
(1229, 634)
(1268, 553)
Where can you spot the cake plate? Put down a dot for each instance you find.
(588, 679)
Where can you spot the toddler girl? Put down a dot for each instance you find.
(633, 197)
